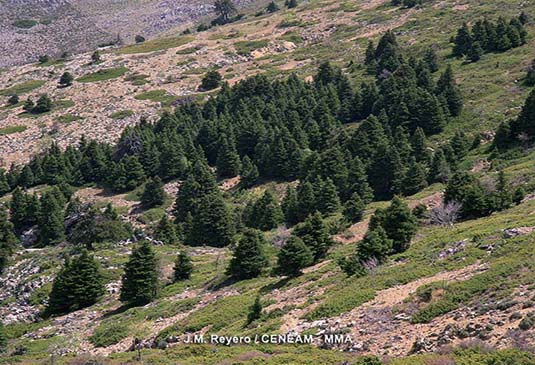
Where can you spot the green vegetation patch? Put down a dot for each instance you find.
(105, 74)
(22, 88)
(12, 129)
(155, 45)
(122, 114)
(56, 105)
(246, 47)
(24, 23)
(68, 118)
(159, 96)
(226, 312)
(108, 334)
(137, 79)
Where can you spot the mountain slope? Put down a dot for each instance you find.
(462, 292)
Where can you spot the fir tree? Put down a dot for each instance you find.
(357, 181)
(66, 79)
(43, 105)
(447, 88)
(327, 200)
(78, 285)
(419, 146)
(265, 214)
(400, 224)
(290, 4)
(51, 228)
(13, 99)
(290, 207)
(183, 267)
(165, 231)
(431, 59)
(439, 170)
(315, 234)
(8, 240)
(375, 244)
(255, 311)
(213, 223)
(354, 209)
(211, 80)
(463, 41)
(140, 279)
(135, 175)
(248, 259)
(19, 209)
(228, 160)
(293, 257)
(272, 7)
(28, 105)
(153, 194)
(415, 179)
(475, 52)
(249, 173)
(369, 60)
(26, 178)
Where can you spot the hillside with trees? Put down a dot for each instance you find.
(364, 172)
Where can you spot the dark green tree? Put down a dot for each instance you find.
(165, 231)
(249, 173)
(448, 89)
(66, 79)
(8, 240)
(78, 285)
(272, 7)
(43, 105)
(290, 4)
(530, 74)
(225, 9)
(249, 258)
(293, 257)
(140, 279)
(327, 200)
(228, 160)
(290, 207)
(255, 311)
(315, 234)
(13, 99)
(50, 222)
(475, 52)
(415, 179)
(135, 175)
(463, 41)
(399, 224)
(183, 267)
(354, 209)
(431, 59)
(439, 170)
(375, 244)
(28, 105)
(265, 213)
(211, 80)
(19, 209)
(153, 194)
(213, 223)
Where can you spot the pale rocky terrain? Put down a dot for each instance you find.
(164, 70)
(80, 25)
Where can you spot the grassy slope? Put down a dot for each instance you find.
(493, 93)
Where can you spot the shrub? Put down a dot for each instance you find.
(107, 335)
